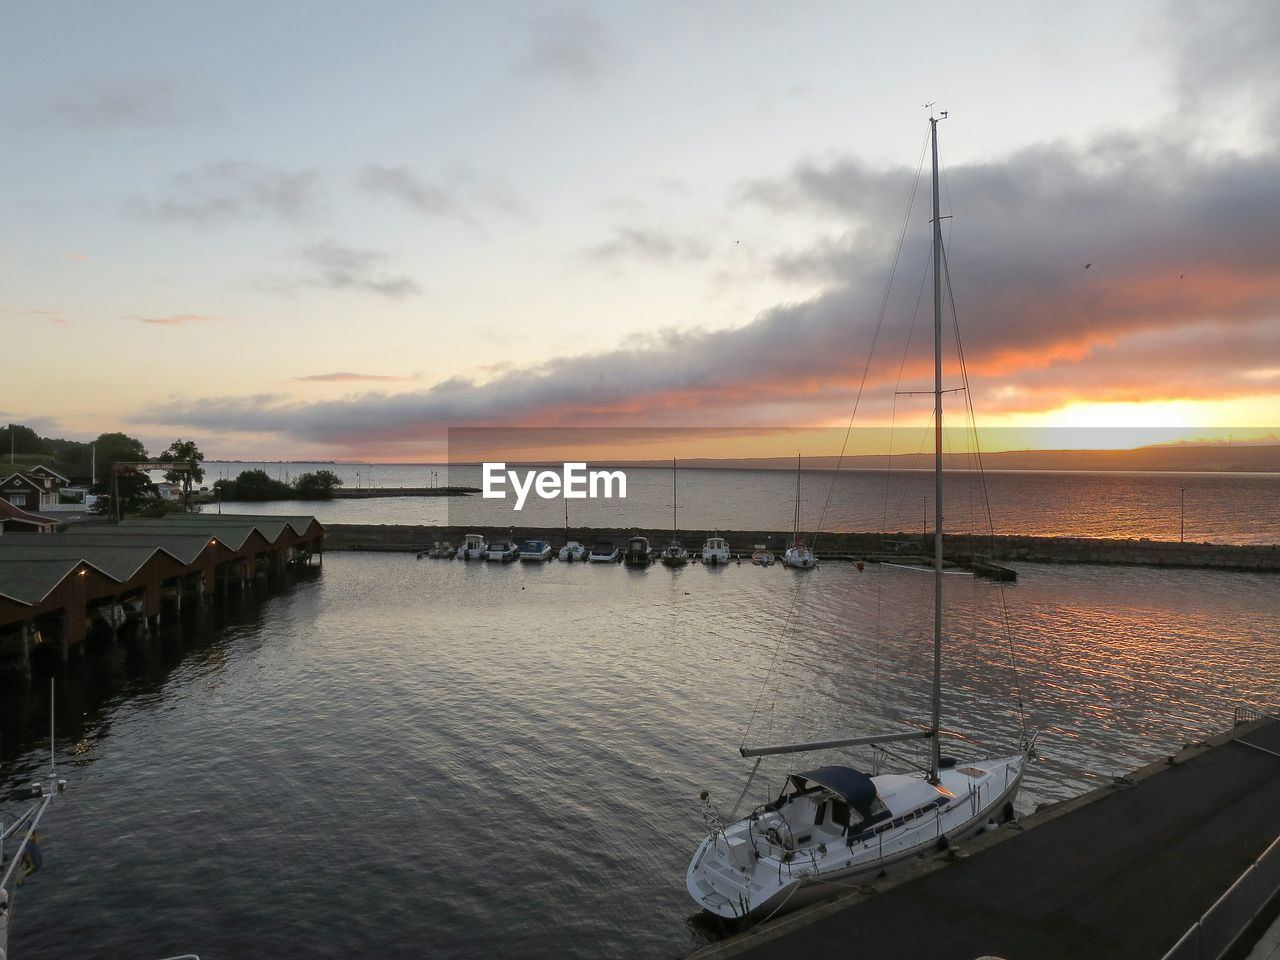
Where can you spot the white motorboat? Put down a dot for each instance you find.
(473, 548)
(502, 550)
(573, 551)
(538, 551)
(715, 551)
(604, 552)
(833, 826)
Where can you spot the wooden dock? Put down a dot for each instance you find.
(1121, 873)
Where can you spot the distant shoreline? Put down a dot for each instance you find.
(1211, 459)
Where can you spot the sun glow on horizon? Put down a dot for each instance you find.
(1121, 425)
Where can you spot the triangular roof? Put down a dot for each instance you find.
(48, 469)
(119, 561)
(20, 476)
(183, 547)
(9, 512)
(30, 581)
(269, 525)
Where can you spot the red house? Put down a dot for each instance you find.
(16, 520)
(34, 488)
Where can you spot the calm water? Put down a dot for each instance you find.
(400, 758)
(1219, 507)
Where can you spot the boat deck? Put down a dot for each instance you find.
(1120, 873)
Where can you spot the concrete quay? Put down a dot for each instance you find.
(376, 493)
(959, 548)
(1121, 873)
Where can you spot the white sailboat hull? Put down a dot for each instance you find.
(742, 874)
(799, 558)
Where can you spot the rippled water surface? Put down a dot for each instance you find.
(400, 758)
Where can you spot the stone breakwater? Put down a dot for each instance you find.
(853, 546)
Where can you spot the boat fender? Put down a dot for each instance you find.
(944, 843)
(1008, 812)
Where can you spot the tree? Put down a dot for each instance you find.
(70, 457)
(253, 485)
(137, 494)
(317, 486)
(15, 438)
(189, 453)
(113, 448)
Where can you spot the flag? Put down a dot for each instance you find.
(32, 858)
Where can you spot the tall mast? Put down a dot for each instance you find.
(935, 746)
(675, 523)
(795, 535)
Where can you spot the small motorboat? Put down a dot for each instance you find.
(473, 548)
(761, 557)
(716, 551)
(502, 550)
(638, 553)
(538, 551)
(604, 552)
(440, 550)
(573, 551)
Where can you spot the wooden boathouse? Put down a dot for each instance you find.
(56, 588)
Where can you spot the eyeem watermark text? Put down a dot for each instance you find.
(573, 482)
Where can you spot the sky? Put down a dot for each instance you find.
(335, 231)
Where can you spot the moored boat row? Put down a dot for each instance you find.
(638, 552)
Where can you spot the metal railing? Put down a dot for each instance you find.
(1218, 930)
(1258, 729)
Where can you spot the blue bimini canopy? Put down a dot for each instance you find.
(849, 783)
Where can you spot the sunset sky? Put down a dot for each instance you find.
(297, 230)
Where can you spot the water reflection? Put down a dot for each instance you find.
(450, 744)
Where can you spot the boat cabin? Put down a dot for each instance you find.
(604, 550)
(836, 798)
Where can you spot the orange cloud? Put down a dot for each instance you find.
(175, 320)
(345, 377)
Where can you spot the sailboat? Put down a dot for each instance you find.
(572, 549)
(674, 554)
(835, 825)
(798, 555)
